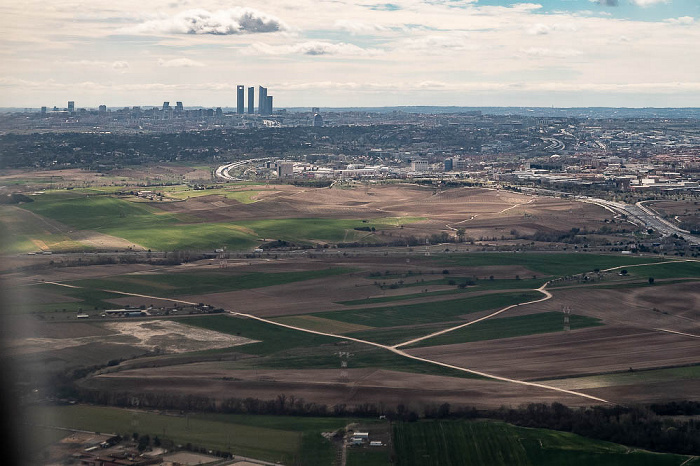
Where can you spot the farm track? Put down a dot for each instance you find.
(395, 348)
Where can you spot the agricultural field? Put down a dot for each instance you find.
(270, 438)
(240, 216)
(495, 443)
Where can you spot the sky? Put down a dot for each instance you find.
(343, 53)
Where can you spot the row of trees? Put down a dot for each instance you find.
(647, 427)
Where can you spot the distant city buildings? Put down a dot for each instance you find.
(251, 100)
(240, 97)
(71, 106)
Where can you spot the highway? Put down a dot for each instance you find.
(640, 214)
(223, 170)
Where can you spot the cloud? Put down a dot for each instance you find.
(542, 29)
(683, 20)
(552, 53)
(358, 27)
(117, 65)
(646, 3)
(438, 43)
(606, 2)
(314, 48)
(233, 21)
(179, 63)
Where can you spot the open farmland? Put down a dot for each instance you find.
(241, 217)
(495, 443)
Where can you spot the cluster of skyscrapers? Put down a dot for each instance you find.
(264, 100)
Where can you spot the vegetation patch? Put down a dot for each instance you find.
(495, 443)
(424, 313)
(509, 327)
(320, 324)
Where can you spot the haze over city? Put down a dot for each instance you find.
(341, 53)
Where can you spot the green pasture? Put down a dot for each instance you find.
(481, 285)
(439, 443)
(271, 438)
(557, 264)
(396, 335)
(273, 337)
(425, 313)
(645, 376)
(148, 226)
(368, 457)
(283, 348)
(509, 327)
(18, 228)
(196, 283)
(680, 269)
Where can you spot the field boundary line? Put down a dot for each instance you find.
(547, 295)
(677, 333)
(429, 361)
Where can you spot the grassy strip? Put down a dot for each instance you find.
(481, 286)
(498, 444)
(393, 336)
(274, 338)
(644, 376)
(424, 313)
(509, 327)
(549, 264)
(271, 438)
(180, 284)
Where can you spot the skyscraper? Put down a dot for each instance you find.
(262, 100)
(268, 105)
(240, 98)
(251, 100)
(71, 106)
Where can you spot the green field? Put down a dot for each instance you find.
(146, 225)
(509, 327)
(368, 457)
(482, 285)
(273, 338)
(629, 378)
(478, 443)
(549, 264)
(395, 335)
(195, 283)
(424, 313)
(283, 348)
(663, 271)
(18, 228)
(271, 438)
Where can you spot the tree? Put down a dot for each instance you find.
(623, 271)
(651, 280)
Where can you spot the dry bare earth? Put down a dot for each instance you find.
(480, 211)
(325, 386)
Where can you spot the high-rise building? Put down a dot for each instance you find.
(251, 100)
(179, 108)
(43, 110)
(102, 109)
(268, 105)
(262, 99)
(240, 99)
(71, 106)
(166, 105)
(318, 120)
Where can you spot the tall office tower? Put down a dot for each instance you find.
(262, 99)
(268, 105)
(240, 99)
(102, 109)
(166, 105)
(71, 106)
(43, 110)
(251, 100)
(179, 108)
(315, 110)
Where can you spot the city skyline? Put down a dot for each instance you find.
(573, 53)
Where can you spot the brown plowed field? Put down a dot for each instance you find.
(324, 386)
(564, 354)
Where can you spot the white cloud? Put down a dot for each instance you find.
(179, 63)
(542, 29)
(236, 20)
(358, 27)
(683, 20)
(645, 3)
(606, 2)
(117, 65)
(439, 43)
(313, 48)
(120, 65)
(552, 53)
